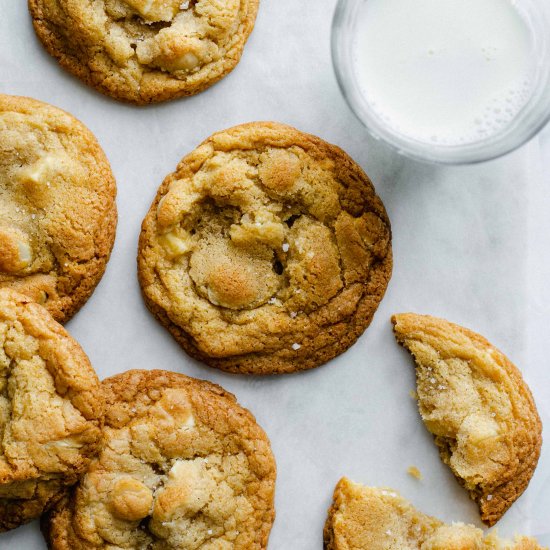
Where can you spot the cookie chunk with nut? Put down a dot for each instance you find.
(478, 407)
(184, 467)
(267, 251)
(145, 51)
(51, 410)
(57, 206)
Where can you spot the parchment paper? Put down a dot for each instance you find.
(469, 245)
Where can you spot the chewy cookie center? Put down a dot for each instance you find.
(228, 277)
(247, 236)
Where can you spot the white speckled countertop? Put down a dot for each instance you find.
(470, 244)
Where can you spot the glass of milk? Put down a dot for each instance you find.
(450, 81)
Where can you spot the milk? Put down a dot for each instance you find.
(444, 71)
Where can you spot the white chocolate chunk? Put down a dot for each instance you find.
(175, 245)
(15, 250)
(156, 10)
(41, 171)
(188, 61)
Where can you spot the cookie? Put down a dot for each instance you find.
(57, 206)
(51, 410)
(185, 467)
(365, 518)
(476, 404)
(267, 251)
(144, 51)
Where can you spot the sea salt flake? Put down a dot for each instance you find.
(285, 247)
(296, 346)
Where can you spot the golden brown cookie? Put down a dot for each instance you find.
(51, 410)
(365, 518)
(185, 467)
(267, 251)
(145, 51)
(57, 206)
(476, 404)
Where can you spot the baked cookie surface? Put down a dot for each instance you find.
(184, 467)
(267, 251)
(51, 410)
(145, 51)
(57, 206)
(476, 404)
(366, 518)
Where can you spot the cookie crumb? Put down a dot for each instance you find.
(413, 394)
(414, 472)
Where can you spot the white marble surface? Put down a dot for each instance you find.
(470, 244)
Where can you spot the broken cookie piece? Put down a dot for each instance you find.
(478, 407)
(367, 518)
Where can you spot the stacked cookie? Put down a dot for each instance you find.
(163, 457)
(51, 408)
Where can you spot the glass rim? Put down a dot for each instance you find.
(531, 119)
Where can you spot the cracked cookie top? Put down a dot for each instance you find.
(145, 51)
(57, 209)
(51, 409)
(184, 467)
(266, 251)
(366, 518)
(476, 404)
